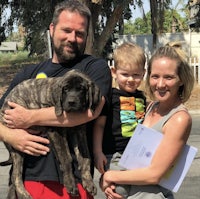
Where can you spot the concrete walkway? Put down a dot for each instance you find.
(190, 188)
(4, 171)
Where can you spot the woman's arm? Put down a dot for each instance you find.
(23, 141)
(176, 133)
(20, 117)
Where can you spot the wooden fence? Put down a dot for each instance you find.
(195, 64)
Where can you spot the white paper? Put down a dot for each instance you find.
(141, 148)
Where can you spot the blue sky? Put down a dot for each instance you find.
(137, 12)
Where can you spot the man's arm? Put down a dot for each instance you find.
(23, 141)
(19, 117)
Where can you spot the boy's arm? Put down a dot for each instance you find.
(98, 130)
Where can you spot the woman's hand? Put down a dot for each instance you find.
(108, 188)
(111, 194)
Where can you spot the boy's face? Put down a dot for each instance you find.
(128, 78)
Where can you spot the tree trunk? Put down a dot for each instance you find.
(101, 41)
(153, 7)
(95, 11)
(96, 45)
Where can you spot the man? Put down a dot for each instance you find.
(69, 29)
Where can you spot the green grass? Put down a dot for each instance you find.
(17, 59)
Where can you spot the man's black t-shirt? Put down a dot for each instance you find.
(46, 167)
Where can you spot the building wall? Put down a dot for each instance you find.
(190, 41)
(8, 47)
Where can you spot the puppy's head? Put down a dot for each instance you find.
(79, 93)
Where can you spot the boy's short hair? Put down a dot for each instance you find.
(129, 54)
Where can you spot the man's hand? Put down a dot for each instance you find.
(17, 116)
(25, 142)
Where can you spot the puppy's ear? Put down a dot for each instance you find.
(58, 100)
(94, 96)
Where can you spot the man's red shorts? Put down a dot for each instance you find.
(53, 190)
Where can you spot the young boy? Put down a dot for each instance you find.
(127, 109)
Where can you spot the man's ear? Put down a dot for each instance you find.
(51, 29)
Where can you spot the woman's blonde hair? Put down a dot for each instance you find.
(174, 51)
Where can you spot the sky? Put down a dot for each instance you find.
(138, 13)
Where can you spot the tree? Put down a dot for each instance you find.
(157, 17)
(177, 22)
(154, 20)
(35, 17)
(2, 28)
(194, 15)
(158, 9)
(107, 18)
(110, 13)
(139, 26)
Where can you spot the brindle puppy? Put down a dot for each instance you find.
(73, 92)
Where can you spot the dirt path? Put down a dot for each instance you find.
(6, 75)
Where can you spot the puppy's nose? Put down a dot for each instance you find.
(71, 103)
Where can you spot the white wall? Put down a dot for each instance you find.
(191, 41)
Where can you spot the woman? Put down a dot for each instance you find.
(169, 83)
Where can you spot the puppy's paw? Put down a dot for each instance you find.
(90, 187)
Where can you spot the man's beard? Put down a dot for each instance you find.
(64, 55)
